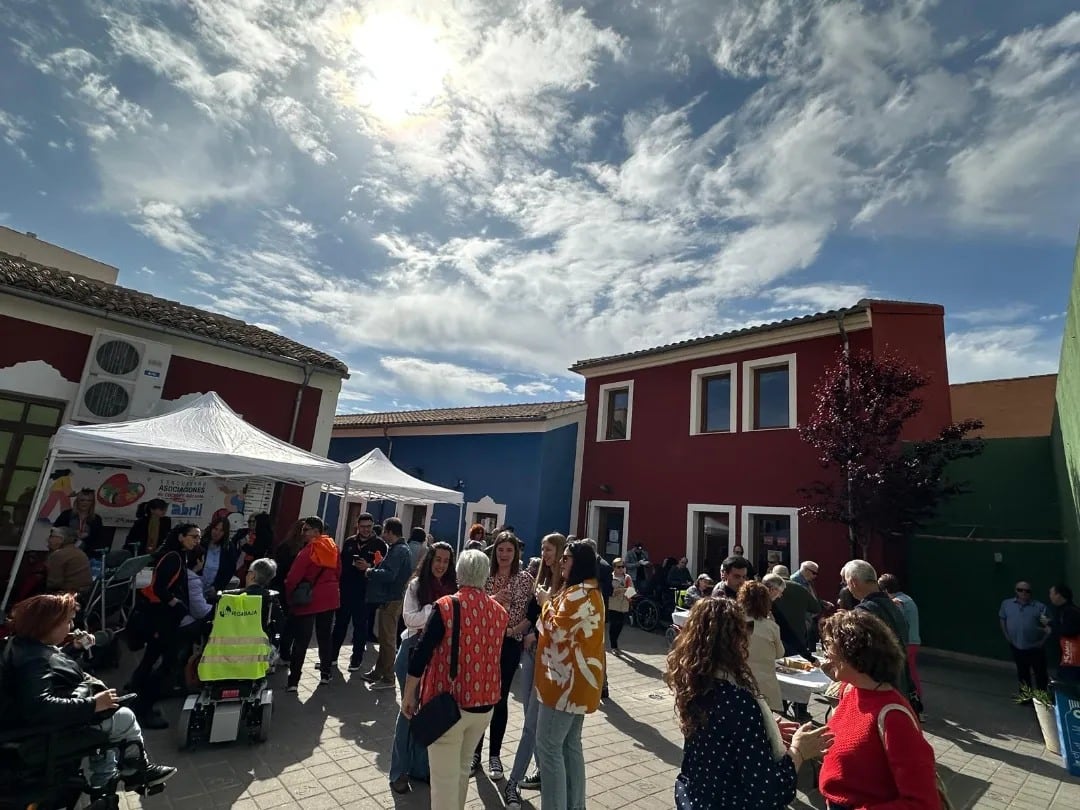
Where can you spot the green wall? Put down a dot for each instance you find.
(958, 586)
(1066, 433)
(967, 560)
(1013, 493)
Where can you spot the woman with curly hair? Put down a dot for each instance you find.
(880, 761)
(735, 755)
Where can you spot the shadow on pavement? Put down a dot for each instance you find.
(645, 737)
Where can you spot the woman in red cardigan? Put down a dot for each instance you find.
(879, 759)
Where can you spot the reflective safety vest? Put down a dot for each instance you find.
(238, 648)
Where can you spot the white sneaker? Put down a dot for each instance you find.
(495, 768)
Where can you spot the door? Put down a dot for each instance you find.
(611, 526)
(712, 534)
(771, 541)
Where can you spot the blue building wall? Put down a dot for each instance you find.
(532, 473)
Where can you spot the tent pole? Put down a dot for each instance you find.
(343, 508)
(460, 525)
(28, 527)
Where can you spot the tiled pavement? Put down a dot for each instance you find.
(330, 747)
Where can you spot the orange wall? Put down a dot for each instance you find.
(1010, 409)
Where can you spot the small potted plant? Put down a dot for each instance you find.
(1043, 702)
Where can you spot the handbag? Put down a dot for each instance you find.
(304, 590)
(943, 795)
(439, 714)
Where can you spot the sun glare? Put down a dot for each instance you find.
(401, 64)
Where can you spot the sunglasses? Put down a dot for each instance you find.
(1023, 590)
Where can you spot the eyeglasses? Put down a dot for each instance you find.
(1023, 590)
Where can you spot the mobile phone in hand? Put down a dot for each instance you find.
(130, 696)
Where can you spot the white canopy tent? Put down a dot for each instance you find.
(375, 478)
(204, 438)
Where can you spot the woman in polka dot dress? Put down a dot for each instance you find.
(735, 756)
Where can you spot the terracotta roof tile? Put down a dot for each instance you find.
(750, 330)
(526, 412)
(19, 275)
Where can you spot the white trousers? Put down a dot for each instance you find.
(450, 758)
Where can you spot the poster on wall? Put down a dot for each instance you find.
(118, 492)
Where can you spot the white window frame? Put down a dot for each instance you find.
(697, 379)
(692, 511)
(749, 367)
(592, 525)
(485, 506)
(748, 536)
(601, 420)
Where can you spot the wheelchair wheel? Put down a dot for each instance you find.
(183, 731)
(648, 615)
(671, 635)
(262, 733)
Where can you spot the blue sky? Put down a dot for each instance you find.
(461, 199)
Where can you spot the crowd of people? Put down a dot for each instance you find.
(472, 625)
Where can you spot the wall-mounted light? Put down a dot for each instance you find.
(460, 484)
(605, 488)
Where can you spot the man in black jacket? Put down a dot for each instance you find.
(862, 580)
(354, 608)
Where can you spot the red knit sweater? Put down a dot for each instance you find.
(856, 771)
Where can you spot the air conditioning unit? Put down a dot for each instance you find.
(122, 379)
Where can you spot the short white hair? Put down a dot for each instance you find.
(774, 581)
(473, 569)
(808, 565)
(860, 571)
(782, 571)
(264, 570)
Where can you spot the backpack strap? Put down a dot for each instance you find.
(455, 639)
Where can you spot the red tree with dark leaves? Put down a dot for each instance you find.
(880, 486)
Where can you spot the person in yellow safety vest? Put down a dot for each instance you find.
(238, 648)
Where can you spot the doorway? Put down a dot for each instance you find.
(414, 514)
(710, 535)
(609, 522)
(772, 537)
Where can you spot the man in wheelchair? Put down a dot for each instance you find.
(54, 714)
(232, 668)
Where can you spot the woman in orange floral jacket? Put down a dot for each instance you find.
(569, 676)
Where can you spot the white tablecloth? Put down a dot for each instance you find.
(801, 687)
(678, 617)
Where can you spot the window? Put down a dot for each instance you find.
(25, 428)
(772, 536)
(712, 400)
(769, 393)
(616, 411)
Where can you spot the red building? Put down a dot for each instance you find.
(77, 347)
(692, 448)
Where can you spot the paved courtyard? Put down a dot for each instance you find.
(330, 747)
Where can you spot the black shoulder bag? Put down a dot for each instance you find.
(304, 590)
(439, 714)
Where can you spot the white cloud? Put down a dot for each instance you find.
(819, 297)
(1007, 351)
(995, 315)
(304, 129)
(532, 389)
(13, 129)
(171, 228)
(442, 381)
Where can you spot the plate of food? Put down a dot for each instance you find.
(796, 665)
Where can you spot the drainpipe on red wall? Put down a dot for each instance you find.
(275, 501)
(852, 540)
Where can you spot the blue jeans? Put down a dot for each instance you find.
(408, 758)
(527, 743)
(562, 761)
(121, 727)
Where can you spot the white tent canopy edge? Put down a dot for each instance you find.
(204, 438)
(373, 477)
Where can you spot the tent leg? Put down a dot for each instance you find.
(461, 526)
(28, 527)
(343, 509)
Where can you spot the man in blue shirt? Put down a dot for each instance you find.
(1024, 625)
